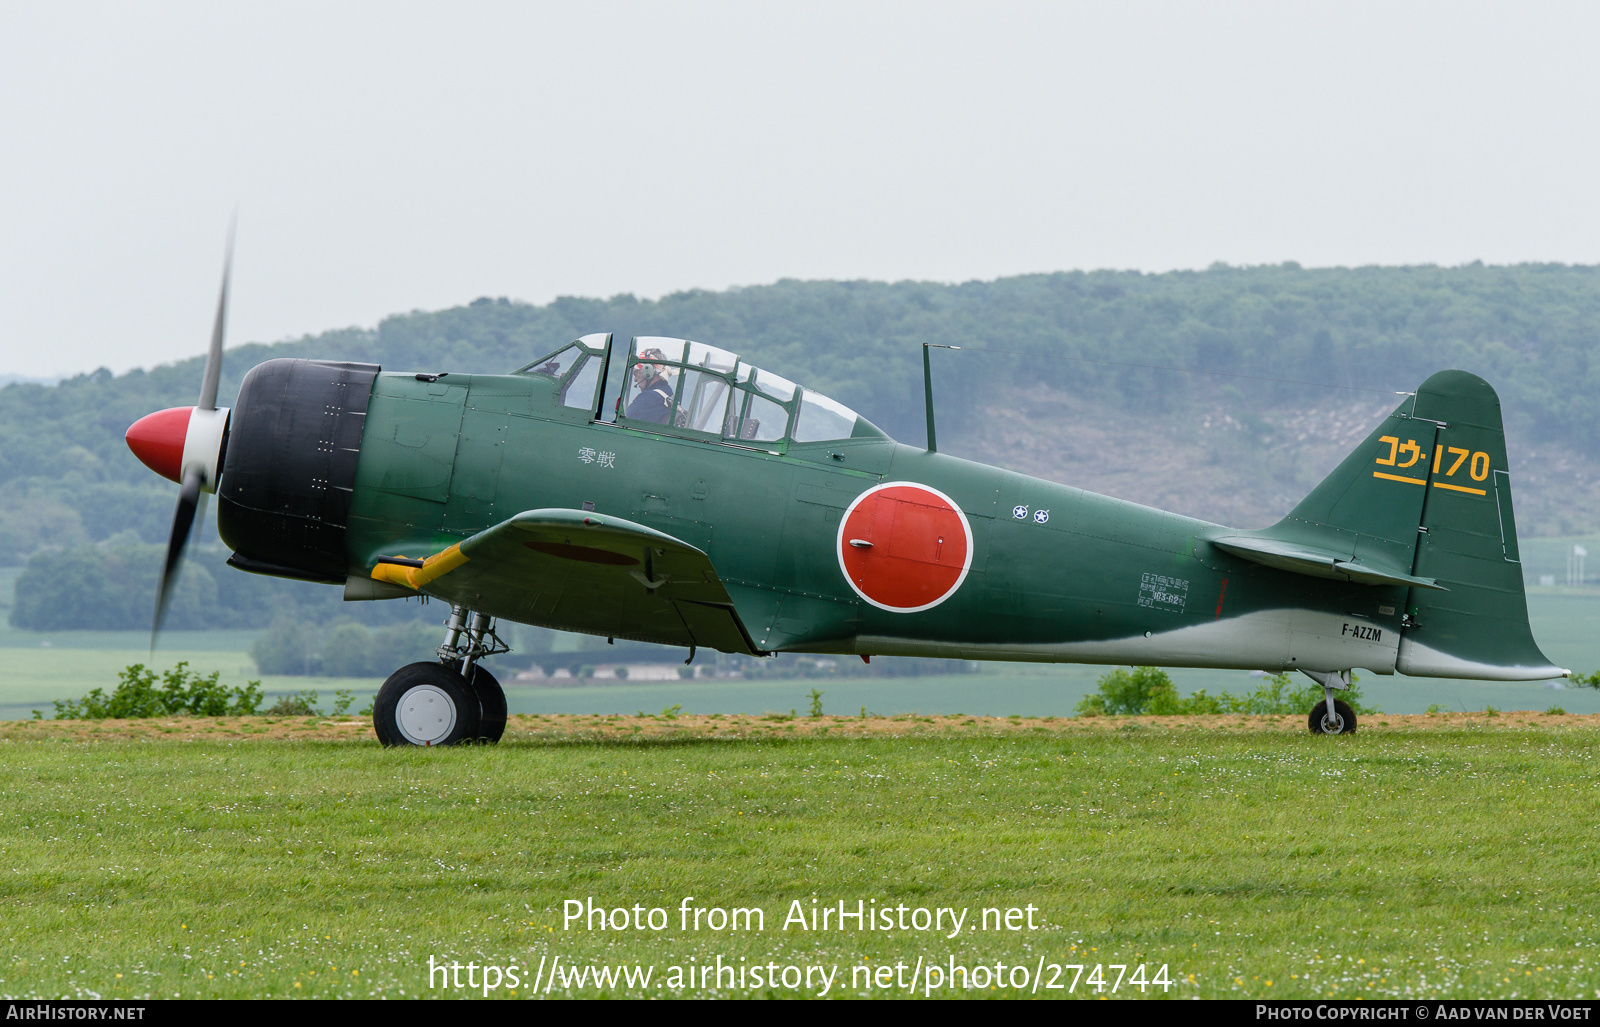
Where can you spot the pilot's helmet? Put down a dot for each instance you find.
(650, 370)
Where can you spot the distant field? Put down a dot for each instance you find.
(1444, 856)
(38, 667)
(1541, 556)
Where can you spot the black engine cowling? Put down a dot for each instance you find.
(289, 466)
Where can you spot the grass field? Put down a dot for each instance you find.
(1444, 855)
(1451, 855)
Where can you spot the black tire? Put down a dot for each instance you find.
(491, 705)
(1342, 710)
(425, 704)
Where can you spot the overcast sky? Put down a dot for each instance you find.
(394, 156)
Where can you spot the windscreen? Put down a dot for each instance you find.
(822, 419)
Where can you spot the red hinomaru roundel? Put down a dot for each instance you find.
(904, 547)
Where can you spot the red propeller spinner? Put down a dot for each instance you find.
(157, 440)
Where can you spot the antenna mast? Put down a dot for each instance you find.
(927, 389)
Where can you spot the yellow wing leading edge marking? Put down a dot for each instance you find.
(416, 577)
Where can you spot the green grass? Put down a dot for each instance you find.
(1447, 864)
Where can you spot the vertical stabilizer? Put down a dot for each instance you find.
(1467, 541)
(1368, 509)
(1423, 504)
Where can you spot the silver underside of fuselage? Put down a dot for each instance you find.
(1273, 640)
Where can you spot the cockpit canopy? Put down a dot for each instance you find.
(689, 387)
(576, 367)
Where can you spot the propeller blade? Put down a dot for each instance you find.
(208, 384)
(183, 518)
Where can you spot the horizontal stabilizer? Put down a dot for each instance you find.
(1316, 562)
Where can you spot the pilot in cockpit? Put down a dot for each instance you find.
(654, 397)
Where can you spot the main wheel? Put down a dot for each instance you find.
(426, 704)
(1343, 721)
(491, 705)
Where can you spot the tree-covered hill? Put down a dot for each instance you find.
(1532, 330)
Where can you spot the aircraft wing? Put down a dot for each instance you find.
(587, 572)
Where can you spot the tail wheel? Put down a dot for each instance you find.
(1343, 721)
(427, 704)
(491, 705)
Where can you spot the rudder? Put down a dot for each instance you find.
(1467, 541)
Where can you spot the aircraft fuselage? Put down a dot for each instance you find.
(1052, 573)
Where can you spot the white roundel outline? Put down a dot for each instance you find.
(839, 544)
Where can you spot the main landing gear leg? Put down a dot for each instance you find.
(481, 642)
(454, 700)
(1331, 716)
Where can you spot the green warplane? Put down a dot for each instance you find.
(714, 504)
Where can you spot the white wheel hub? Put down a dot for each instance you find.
(425, 715)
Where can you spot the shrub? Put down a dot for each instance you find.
(1200, 702)
(298, 704)
(1148, 690)
(182, 692)
(1135, 691)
